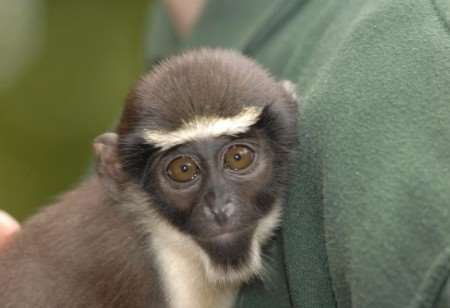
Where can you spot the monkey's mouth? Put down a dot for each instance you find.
(227, 235)
(230, 248)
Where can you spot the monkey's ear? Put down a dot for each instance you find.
(290, 88)
(108, 167)
(293, 102)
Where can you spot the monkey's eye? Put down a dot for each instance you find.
(238, 157)
(182, 169)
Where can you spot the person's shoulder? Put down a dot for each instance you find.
(161, 39)
(361, 38)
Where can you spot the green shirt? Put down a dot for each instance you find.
(368, 218)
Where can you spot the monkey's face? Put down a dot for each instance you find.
(219, 180)
(207, 137)
(216, 190)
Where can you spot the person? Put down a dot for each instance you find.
(8, 226)
(367, 223)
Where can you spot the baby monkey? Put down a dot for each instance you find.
(187, 191)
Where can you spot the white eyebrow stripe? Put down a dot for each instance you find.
(204, 127)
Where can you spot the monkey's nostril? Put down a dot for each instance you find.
(210, 197)
(220, 218)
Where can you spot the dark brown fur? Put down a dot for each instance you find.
(81, 252)
(205, 82)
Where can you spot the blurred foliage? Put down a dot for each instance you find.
(90, 55)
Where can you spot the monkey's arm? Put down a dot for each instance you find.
(81, 252)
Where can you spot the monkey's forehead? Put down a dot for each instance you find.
(203, 127)
(202, 91)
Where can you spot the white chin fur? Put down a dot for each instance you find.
(204, 127)
(188, 276)
(255, 266)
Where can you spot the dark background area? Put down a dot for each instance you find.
(67, 67)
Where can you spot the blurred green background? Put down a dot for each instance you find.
(65, 69)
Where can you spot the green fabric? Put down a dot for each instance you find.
(163, 38)
(368, 221)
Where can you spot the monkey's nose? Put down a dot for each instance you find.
(220, 213)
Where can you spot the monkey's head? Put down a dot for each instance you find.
(206, 138)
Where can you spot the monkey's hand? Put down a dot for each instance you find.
(8, 226)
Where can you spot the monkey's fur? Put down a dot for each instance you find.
(133, 235)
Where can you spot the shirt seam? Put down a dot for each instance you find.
(441, 17)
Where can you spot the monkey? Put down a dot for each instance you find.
(187, 191)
